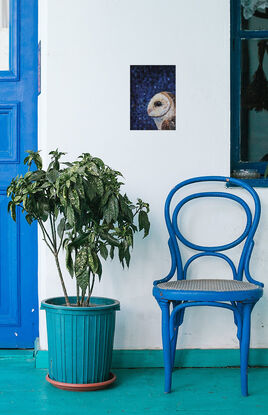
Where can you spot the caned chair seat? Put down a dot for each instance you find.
(208, 285)
(205, 290)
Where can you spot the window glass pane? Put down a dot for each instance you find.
(256, 21)
(4, 35)
(254, 100)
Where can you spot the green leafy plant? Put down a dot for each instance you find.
(80, 208)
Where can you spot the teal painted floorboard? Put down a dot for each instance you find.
(24, 391)
(17, 353)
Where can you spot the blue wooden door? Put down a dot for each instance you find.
(18, 133)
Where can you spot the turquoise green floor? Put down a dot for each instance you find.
(24, 391)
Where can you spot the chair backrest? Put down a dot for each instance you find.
(247, 235)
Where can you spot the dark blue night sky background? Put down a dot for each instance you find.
(145, 82)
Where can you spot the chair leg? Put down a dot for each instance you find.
(179, 319)
(164, 305)
(244, 346)
(173, 346)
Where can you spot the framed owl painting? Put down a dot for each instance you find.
(152, 97)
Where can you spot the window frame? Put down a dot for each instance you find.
(237, 35)
(12, 74)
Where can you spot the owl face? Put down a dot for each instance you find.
(159, 105)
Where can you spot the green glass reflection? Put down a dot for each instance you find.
(254, 100)
(257, 21)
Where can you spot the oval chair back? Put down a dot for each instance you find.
(171, 219)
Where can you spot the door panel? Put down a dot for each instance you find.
(9, 282)
(9, 133)
(18, 133)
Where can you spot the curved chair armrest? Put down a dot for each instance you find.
(173, 266)
(247, 273)
(167, 278)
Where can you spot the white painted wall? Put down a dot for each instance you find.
(87, 47)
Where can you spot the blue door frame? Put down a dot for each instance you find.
(18, 133)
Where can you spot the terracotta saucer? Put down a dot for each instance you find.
(82, 387)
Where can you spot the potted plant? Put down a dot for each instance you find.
(80, 208)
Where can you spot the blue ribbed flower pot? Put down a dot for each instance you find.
(80, 340)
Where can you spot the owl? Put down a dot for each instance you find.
(162, 108)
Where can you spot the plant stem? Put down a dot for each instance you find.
(77, 294)
(90, 289)
(88, 298)
(61, 279)
(54, 227)
(82, 300)
(92, 285)
(44, 235)
(54, 237)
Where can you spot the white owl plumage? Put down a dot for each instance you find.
(162, 108)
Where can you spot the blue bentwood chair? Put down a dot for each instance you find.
(236, 295)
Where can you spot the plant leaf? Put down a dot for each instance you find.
(29, 219)
(92, 260)
(144, 222)
(70, 215)
(96, 262)
(103, 251)
(69, 261)
(52, 176)
(90, 190)
(105, 198)
(121, 254)
(13, 211)
(93, 169)
(112, 210)
(110, 239)
(61, 227)
(81, 261)
(37, 175)
(99, 187)
(99, 270)
(17, 199)
(127, 256)
(83, 281)
(74, 198)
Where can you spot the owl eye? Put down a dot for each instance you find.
(157, 103)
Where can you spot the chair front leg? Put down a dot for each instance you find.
(173, 346)
(244, 346)
(164, 305)
(174, 334)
